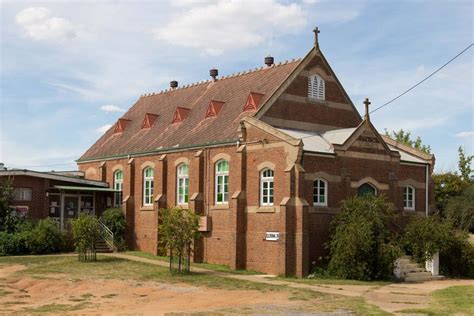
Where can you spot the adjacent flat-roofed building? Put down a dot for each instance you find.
(265, 156)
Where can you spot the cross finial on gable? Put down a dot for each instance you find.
(367, 103)
(316, 32)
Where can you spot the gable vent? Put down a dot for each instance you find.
(121, 125)
(149, 120)
(180, 114)
(253, 101)
(214, 108)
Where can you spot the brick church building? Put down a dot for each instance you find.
(265, 157)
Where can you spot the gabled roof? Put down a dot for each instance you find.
(194, 130)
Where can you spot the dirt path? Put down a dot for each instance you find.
(390, 298)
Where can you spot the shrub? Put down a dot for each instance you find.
(361, 245)
(86, 234)
(114, 219)
(425, 236)
(178, 230)
(46, 237)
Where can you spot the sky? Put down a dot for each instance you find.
(70, 69)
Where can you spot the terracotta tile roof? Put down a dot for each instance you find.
(193, 128)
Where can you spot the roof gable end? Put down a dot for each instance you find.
(214, 108)
(149, 120)
(121, 125)
(253, 101)
(180, 114)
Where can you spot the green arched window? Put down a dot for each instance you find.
(366, 189)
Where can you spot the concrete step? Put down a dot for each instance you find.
(424, 273)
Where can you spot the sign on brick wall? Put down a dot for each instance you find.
(272, 236)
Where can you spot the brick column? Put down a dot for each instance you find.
(196, 202)
(128, 203)
(160, 202)
(103, 171)
(301, 224)
(237, 214)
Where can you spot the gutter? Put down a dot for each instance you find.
(158, 151)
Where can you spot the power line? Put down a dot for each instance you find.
(426, 78)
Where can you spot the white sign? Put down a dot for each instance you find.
(272, 236)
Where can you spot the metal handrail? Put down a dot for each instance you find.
(108, 235)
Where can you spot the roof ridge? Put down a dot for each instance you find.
(233, 75)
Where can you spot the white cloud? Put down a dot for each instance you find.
(104, 128)
(38, 24)
(111, 108)
(310, 1)
(465, 134)
(225, 25)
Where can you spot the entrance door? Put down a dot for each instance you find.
(70, 209)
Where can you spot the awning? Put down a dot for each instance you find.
(77, 188)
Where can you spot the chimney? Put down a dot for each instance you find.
(269, 60)
(173, 84)
(214, 73)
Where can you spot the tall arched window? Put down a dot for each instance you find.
(266, 187)
(366, 189)
(148, 186)
(409, 198)
(222, 182)
(182, 184)
(316, 88)
(320, 192)
(118, 187)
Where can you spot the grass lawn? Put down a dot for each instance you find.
(330, 281)
(109, 268)
(210, 266)
(455, 300)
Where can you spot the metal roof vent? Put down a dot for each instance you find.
(214, 73)
(173, 84)
(269, 60)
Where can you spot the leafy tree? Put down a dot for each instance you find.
(46, 237)
(86, 232)
(114, 219)
(404, 137)
(178, 230)
(464, 164)
(361, 244)
(460, 209)
(447, 185)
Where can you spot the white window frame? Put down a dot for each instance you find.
(118, 187)
(223, 184)
(267, 181)
(317, 197)
(22, 194)
(148, 179)
(406, 193)
(316, 88)
(182, 181)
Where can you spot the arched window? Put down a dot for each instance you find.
(409, 198)
(366, 189)
(316, 88)
(222, 182)
(148, 186)
(118, 187)
(182, 184)
(266, 187)
(320, 192)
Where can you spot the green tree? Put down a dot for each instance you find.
(464, 164)
(447, 185)
(114, 219)
(86, 233)
(361, 244)
(6, 199)
(460, 209)
(404, 137)
(178, 230)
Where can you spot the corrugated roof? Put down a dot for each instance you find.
(404, 156)
(195, 129)
(312, 141)
(339, 136)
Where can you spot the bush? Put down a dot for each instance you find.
(425, 236)
(86, 234)
(46, 237)
(114, 219)
(361, 245)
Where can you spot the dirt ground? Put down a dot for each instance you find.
(111, 297)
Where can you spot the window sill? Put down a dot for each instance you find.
(147, 208)
(266, 209)
(316, 101)
(320, 205)
(220, 207)
(183, 205)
